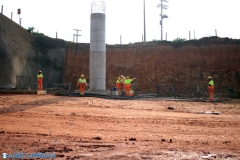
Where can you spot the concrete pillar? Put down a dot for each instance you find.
(97, 47)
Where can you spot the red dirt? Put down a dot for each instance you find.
(94, 128)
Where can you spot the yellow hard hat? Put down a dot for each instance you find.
(127, 77)
(209, 77)
(82, 75)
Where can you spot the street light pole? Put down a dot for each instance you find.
(144, 23)
(162, 6)
(161, 21)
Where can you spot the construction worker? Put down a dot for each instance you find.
(119, 85)
(210, 88)
(127, 85)
(122, 81)
(123, 78)
(40, 78)
(82, 83)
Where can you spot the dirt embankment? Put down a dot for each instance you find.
(23, 55)
(185, 64)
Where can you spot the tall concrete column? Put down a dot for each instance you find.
(97, 47)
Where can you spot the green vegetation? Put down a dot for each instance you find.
(31, 30)
(194, 39)
(179, 40)
(155, 40)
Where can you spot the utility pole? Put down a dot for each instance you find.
(120, 39)
(144, 22)
(76, 35)
(162, 6)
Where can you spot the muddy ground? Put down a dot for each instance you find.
(95, 128)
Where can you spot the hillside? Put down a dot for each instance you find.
(22, 55)
(186, 64)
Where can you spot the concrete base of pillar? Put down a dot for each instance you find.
(105, 92)
(41, 92)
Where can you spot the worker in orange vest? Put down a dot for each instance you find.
(82, 83)
(119, 85)
(40, 78)
(127, 85)
(210, 88)
(123, 86)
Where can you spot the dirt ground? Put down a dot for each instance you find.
(95, 128)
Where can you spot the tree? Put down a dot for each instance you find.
(31, 29)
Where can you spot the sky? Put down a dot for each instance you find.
(199, 17)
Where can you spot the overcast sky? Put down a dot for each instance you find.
(125, 17)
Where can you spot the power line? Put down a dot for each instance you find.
(162, 6)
